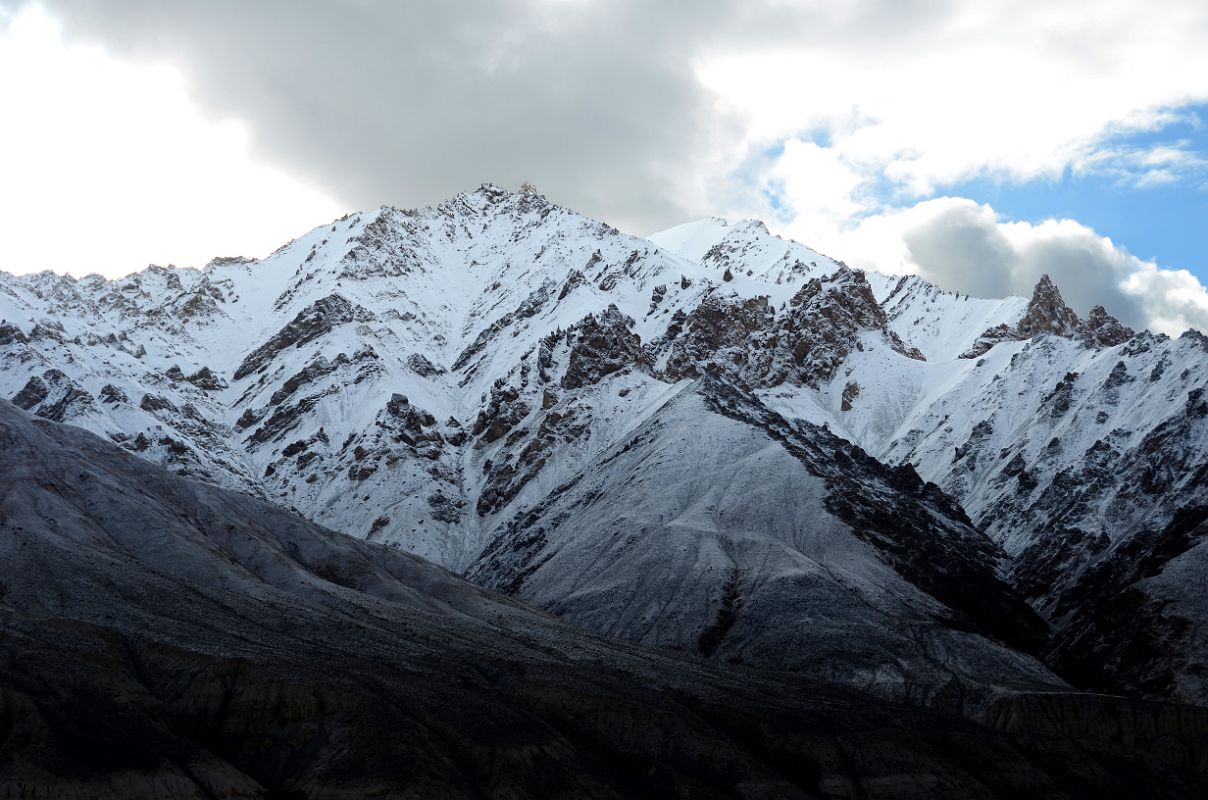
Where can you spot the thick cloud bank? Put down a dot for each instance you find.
(963, 246)
(410, 102)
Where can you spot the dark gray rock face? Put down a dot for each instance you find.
(152, 402)
(53, 396)
(989, 338)
(113, 395)
(718, 331)
(1122, 634)
(11, 334)
(420, 365)
(600, 345)
(504, 410)
(241, 651)
(824, 321)
(34, 392)
(206, 380)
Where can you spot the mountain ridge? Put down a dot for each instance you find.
(426, 378)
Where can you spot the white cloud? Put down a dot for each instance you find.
(1143, 167)
(1018, 90)
(107, 166)
(945, 92)
(963, 246)
(1156, 177)
(630, 111)
(1174, 298)
(816, 185)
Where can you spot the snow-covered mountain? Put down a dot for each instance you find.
(160, 637)
(714, 439)
(1079, 446)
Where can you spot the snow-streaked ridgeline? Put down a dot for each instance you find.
(163, 637)
(712, 439)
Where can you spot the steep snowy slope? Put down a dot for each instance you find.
(356, 361)
(164, 638)
(434, 379)
(1079, 462)
(245, 368)
(716, 526)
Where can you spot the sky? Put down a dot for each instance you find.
(979, 144)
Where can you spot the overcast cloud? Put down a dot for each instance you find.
(813, 115)
(408, 103)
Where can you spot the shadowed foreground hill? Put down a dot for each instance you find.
(164, 638)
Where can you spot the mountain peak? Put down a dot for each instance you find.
(1047, 312)
(756, 226)
(492, 190)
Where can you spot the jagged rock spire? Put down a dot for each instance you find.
(1047, 312)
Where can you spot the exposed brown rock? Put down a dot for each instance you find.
(1048, 313)
(1103, 330)
(850, 392)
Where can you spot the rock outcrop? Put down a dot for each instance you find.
(1047, 313)
(803, 343)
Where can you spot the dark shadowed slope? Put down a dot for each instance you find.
(170, 639)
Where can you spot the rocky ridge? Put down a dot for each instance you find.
(452, 380)
(1047, 313)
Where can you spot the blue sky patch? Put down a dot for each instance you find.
(1147, 191)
